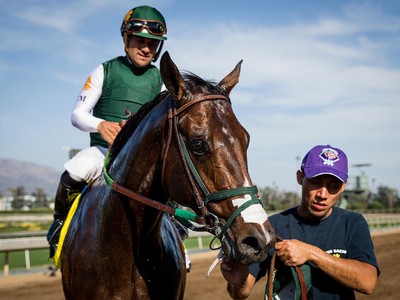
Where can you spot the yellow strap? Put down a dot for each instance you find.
(64, 230)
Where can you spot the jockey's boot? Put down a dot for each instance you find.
(63, 201)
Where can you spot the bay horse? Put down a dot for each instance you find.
(186, 145)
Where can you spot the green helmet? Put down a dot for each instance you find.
(145, 21)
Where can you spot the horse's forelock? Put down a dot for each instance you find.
(197, 85)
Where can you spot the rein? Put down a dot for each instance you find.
(150, 202)
(194, 179)
(271, 276)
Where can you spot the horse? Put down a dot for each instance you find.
(186, 145)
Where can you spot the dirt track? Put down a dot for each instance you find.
(44, 287)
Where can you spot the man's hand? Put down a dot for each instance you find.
(293, 252)
(240, 282)
(234, 272)
(109, 130)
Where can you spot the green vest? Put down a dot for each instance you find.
(125, 88)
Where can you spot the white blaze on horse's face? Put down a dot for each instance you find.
(254, 213)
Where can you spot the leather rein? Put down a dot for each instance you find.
(195, 180)
(271, 277)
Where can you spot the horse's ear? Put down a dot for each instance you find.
(230, 80)
(171, 77)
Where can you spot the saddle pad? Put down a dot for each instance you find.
(64, 230)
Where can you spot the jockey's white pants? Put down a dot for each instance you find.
(87, 164)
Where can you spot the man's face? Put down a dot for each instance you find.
(141, 50)
(319, 195)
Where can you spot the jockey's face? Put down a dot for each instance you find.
(141, 50)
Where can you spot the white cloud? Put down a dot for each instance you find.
(60, 16)
(326, 81)
(329, 79)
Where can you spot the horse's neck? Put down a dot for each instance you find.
(137, 163)
(137, 167)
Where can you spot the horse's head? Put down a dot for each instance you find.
(211, 147)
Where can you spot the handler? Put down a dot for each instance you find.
(332, 245)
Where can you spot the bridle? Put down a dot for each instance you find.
(209, 221)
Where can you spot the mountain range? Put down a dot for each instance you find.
(31, 176)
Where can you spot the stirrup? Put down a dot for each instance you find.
(55, 235)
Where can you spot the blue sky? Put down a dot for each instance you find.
(314, 72)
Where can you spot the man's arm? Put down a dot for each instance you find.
(82, 116)
(359, 276)
(240, 281)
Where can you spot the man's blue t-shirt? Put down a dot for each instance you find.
(343, 233)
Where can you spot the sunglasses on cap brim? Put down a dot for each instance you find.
(153, 27)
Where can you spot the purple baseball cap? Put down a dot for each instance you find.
(325, 160)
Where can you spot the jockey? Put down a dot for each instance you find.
(117, 86)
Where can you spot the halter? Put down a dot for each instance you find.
(194, 179)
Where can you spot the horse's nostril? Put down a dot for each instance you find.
(252, 243)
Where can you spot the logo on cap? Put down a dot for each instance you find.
(329, 156)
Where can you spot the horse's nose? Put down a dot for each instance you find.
(255, 246)
(252, 243)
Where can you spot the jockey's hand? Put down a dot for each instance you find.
(109, 130)
(122, 123)
(292, 252)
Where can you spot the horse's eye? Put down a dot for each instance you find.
(198, 147)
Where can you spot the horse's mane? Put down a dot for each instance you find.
(132, 123)
(194, 85)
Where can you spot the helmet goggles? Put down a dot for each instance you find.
(154, 27)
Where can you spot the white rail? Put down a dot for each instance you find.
(15, 244)
(31, 240)
(27, 243)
